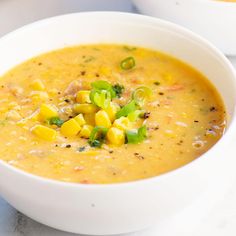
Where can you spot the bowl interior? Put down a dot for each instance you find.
(88, 28)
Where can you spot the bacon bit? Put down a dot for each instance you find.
(175, 87)
(79, 168)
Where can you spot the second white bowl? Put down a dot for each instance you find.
(215, 20)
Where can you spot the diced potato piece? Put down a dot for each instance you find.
(86, 131)
(122, 123)
(37, 85)
(85, 108)
(102, 119)
(116, 136)
(47, 111)
(90, 119)
(44, 132)
(39, 96)
(83, 96)
(80, 119)
(70, 128)
(13, 115)
(112, 110)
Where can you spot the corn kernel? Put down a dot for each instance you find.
(90, 119)
(47, 111)
(85, 108)
(37, 85)
(86, 131)
(122, 123)
(44, 132)
(102, 119)
(70, 128)
(112, 110)
(80, 119)
(116, 136)
(83, 96)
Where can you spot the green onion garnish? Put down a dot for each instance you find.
(141, 94)
(103, 85)
(55, 121)
(128, 63)
(133, 116)
(101, 98)
(136, 136)
(125, 110)
(97, 136)
(118, 89)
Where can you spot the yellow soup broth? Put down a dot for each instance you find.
(182, 113)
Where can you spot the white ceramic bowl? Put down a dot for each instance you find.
(215, 20)
(126, 207)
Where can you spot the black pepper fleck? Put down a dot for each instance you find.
(68, 146)
(146, 115)
(212, 109)
(81, 149)
(157, 83)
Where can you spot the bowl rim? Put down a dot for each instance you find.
(162, 23)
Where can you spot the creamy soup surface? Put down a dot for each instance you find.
(45, 130)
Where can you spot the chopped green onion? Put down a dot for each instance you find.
(136, 136)
(101, 98)
(55, 121)
(97, 136)
(118, 89)
(133, 116)
(128, 63)
(104, 85)
(141, 94)
(125, 110)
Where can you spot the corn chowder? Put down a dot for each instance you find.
(106, 114)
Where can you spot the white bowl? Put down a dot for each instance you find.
(125, 207)
(215, 20)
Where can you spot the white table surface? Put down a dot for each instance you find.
(219, 221)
